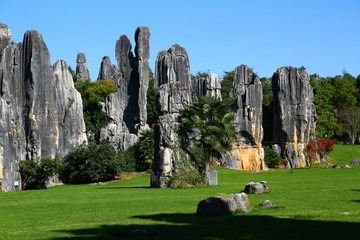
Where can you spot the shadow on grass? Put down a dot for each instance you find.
(191, 226)
(125, 188)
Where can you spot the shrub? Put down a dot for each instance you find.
(145, 150)
(34, 174)
(127, 160)
(186, 179)
(90, 163)
(271, 157)
(317, 149)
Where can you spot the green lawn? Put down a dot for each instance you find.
(316, 203)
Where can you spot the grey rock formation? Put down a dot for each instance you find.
(142, 53)
(207, 86)
(126, 109)
(294, 114)
(355, 161)
(81, 69)
(41, 112)
(221, 205)
(256, 187)
(247, 152)
(172, 80)
(107, 70)
(5, 36)
(267, 203)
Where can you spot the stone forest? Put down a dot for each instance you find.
(42, 112)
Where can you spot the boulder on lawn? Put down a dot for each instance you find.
(256, 187)
(267, 203)
(224, 204)
(355, 161)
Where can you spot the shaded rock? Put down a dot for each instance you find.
(247, 152)
(41, 112)
(126, 109)
(267, 203)
(294, 114)
(355, 161)
(142, 53)
(172, 79)
(256, 187)
(224, 205)
(107, 70)
(206, 86)
(5, 36)
(81, 69)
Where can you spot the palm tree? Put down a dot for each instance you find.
(210, 121)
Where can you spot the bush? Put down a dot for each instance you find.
(34, 175)
(271, 157)
(145, 150)
(317, 149)
(90, 163)
(186, 179)
(127, 160)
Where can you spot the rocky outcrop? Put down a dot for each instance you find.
(172, 79)
(206, 86)
(5, 36)
(107, 70)
(222, 205)
(126, 109)
(81, 69)
(294, 114)
(247, 152)
(41, 112)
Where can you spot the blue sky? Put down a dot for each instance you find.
(322, 35)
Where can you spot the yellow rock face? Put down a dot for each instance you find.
(249, 158)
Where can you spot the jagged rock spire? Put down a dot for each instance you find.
(294, 114)
(81, 69)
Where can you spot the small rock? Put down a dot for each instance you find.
(256, 188)
(139, 231)
(267, 203)
(355, 161)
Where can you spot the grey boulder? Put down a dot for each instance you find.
(256, 187)
(267, 203)
(220, 205)
(355, 162)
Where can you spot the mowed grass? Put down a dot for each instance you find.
(316, 203)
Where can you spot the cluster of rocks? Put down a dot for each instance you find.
(234, 202)
(42, 114)
(355, 161)
(41, 111)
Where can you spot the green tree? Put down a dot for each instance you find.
(92, 94)
(267, 91)
(35, 174)
(151, 101)
(90, 163)
(350, 119)
(226, 86)
(210, 119)
(145, 148)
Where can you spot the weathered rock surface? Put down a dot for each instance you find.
(355, 162)
(172, 80)
(81, 69)
(256, 187)
(224, 205)
(5, 36)
(41, 112)
(126, 109)
(267, 203)
(207, 86)
(247, 152)
(107, 70)
(294, 114)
